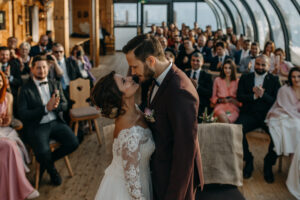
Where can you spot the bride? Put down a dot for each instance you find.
(128, 176)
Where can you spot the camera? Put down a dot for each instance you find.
(49, 57)
(79, 54)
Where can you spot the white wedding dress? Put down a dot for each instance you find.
(128, 176)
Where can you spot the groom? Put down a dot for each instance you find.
(176, 163)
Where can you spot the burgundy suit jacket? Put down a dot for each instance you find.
(176, 163)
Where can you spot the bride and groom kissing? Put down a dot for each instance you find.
(158, 156)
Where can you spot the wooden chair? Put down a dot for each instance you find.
(53, 145)
(81, 110)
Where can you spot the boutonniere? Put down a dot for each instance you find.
(149, 115)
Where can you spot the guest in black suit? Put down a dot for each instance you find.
(219, 59)
(41, 48)
(257, 91)
(202, 81)
(12, 69)
(183, 60)
(204, 50)
(70, 72)
(40, 104)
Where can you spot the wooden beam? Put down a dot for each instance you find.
(94, 32)
(61, 23)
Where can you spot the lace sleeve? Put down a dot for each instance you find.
(131, 160)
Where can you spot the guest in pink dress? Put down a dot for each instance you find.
(282, 67)
(13, 182)
(224, 94)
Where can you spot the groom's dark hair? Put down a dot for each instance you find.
(143, 46)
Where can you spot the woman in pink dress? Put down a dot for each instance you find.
(13, 182)
(224, 94)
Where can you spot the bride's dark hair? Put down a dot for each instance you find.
(107, 96)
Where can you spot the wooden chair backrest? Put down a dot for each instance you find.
(80, 92)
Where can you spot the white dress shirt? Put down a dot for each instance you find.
(45, 95)
(197, 73)
(160, 80)
(259, 81)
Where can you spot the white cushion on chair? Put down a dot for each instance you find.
(84, 111)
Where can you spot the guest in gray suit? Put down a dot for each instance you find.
(247, 63)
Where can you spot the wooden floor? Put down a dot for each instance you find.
(90, 160)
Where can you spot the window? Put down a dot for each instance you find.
(125, 14)
(205, 16)
(262, 23)
(184, 13)
(290, 13)
(237, 19)
(221, 15)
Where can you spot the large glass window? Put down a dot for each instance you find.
(247, 21)
(290, 14)
(205, 16)
(237, 19)
(261, 22)
(184, 13)
(228, 20)
(275, 24)
(221, 15)
(155, 14)
(125, 14)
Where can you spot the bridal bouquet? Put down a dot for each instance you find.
(206, 118)
(149, 115)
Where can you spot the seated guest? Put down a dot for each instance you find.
(283, 119)
(12, 69)
(40, 104)
(41, 48)
(218, 61)
(202, 82)
(204, 50)
(282, 67)
(226, 107)
(269, 50)
(183, 60)
(164, 42)
(243, 53)
(170, 54)
(257, 92)
(50, 40)
(55, 71)
(247, 63)
(13, 182)
(83, 63)
(24, 58)
(12, 45)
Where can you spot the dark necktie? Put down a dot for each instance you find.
(194, 75)
(43, 83)
(220, 59)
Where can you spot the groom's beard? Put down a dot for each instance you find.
(148, 72)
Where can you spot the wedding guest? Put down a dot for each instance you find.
(202, 82)
(203, 49)
(283, 118)
(218, 61)
(24, 58)
(183, 60)
(243, 53)
(50, 39)
(257, 92)
(12, 44)
(269, 50)
(41, 47)
(41, 102)
(13, 182)
(170, 54)
(282, 67)
(247, 63)
(226, 106)
(83, 62)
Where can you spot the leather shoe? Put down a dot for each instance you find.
(247, 172)
(55, 177)
(268, 174)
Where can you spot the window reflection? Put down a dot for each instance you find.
(247, 21)
(237, 19)
(290, 13)
(261, 22)
(275, 24)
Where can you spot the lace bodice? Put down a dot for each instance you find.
(132, 150)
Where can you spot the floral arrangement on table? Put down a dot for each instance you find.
(208, 118)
